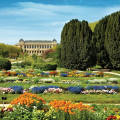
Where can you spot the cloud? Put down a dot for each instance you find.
(34, 20)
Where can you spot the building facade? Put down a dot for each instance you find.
(36, 46)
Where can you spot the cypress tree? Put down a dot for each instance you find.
(76, 45)
(99, 39)
(112, 39)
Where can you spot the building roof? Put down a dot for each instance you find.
(37, 41)
(54, 40)
(21, 40)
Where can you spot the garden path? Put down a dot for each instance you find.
(112, 73)
(16, 62)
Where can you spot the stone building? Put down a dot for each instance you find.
(36, 46)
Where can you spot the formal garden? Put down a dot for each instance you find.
(67, 82)
(59, 94)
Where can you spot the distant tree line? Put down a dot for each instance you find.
(9, 51)
(82, 48)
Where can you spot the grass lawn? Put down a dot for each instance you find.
(116, 71)
(88, 98)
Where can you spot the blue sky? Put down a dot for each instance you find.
(44, 19)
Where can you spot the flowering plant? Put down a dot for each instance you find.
(6, 90)
(29, 99)
(53, 90)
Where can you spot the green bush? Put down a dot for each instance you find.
(22, 64)
(5, 64)
(45, 66)
(49, 55)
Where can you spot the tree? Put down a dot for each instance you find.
(34, 56)
(76, 45)
(99, 39)
(112, 39)
(57, 55)
(3, 51)
(5, 64)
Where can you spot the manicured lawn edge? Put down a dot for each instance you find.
(85, 98)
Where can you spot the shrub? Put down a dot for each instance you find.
(45, 66)
(5, 64)
(48, 53)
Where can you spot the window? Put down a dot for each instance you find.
(50, 46)
(32, 46)
(30, 51)
(35, 46)
(37, 51)
(40, 51)
(25, 46)
(47, 46)
(42, 46)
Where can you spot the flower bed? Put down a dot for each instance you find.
(103, 81)
(56, 89)
(30, 107)
(31, 73)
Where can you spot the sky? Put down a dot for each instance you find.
(45, 19)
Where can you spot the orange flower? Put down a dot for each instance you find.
(27, 99)
(68, 106)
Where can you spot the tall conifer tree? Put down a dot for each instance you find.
(76, 45)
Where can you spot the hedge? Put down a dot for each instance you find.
(5, 64)
(44, 66)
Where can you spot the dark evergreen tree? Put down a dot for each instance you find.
(76, 45)
(99, 39)
(112, 39)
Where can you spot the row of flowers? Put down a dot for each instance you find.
(103, 81)
(29, 106)
(56, 89)
(46, 74)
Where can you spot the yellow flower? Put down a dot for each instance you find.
(118, 117)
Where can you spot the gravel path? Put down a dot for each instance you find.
(112, 73)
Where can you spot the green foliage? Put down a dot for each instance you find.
(5, 64)
(77, 47)
(107, 39)
(44, 66)
(112, 39)
(57, 55)
(9, 50)
(92, 25)
(3, 51)
(20, 113)
(49, 55)
(50, 52)
(99, 39)
(34, 56)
